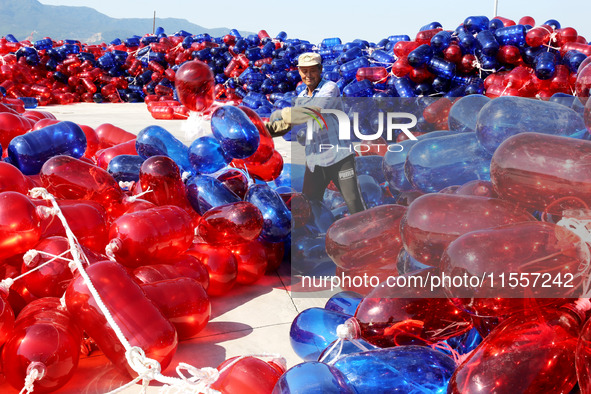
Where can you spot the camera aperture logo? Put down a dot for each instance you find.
(343, 122)
(317, 116)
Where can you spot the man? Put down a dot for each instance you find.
(327, 157)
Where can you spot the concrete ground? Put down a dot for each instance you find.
(249, 319)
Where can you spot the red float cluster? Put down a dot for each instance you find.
(143, 252)
(64, 72)
(71, 80)
(68, 71)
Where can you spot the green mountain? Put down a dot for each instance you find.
(33, 20)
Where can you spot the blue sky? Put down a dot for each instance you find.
(314, 20)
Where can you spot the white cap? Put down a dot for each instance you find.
(309, 59)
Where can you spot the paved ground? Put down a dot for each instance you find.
(250, 319)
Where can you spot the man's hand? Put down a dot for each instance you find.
(288, 117)
(298, 115)
(278, 128)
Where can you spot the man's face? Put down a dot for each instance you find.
(311, 75)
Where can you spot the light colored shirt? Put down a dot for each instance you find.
(328, 96)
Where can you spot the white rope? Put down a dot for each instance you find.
(346, 331)
(176, 48)
(142, 365)
(388, 65)
(185, 175)
(506, 87)
(46, 212)
(29, 382)
(551, 37)
(545, 28)
(199, 380)
(550, 46)
(579, 228)
(113, 246)
(196, 125)
(387, 75)
(74, 245)
(7, 283)
(476, 64)
(147, 369)
(35, 371)
(202, 379)
(31, 254)
(136, 196)
(125, 386)
(583, 304)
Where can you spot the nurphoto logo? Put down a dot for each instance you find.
(393, 123)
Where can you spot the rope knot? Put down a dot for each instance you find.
(30, 256)
(45, 212)
(5, 284)
(576, 226)
(146, 367)
(348, 330)
(210, 374)
(583, 304)
(63, 303)
(113, 246)
(185, 175)
(344, 332)
(39, 192)
(35, 371)
(204, 376)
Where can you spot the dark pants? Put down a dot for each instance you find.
(343, 175)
